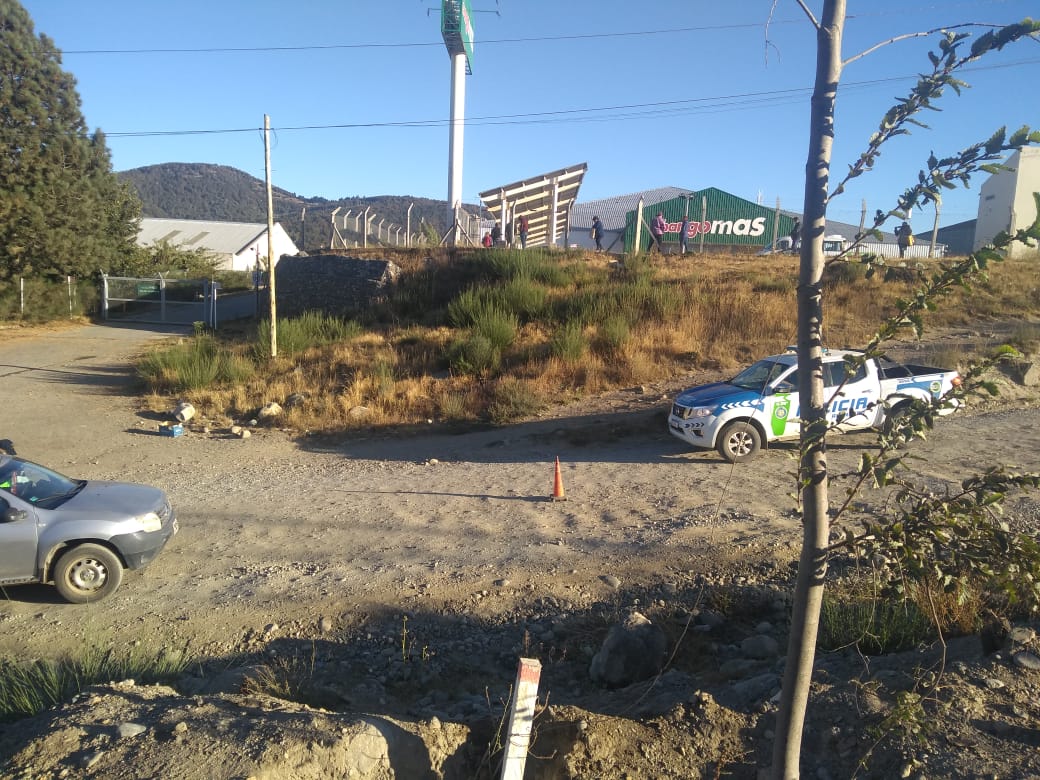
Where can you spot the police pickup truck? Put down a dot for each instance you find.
(760, 404)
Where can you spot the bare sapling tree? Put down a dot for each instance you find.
(941, 174)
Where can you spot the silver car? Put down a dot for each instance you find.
(76, 533)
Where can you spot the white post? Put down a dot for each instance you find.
(365, 234)
(21, 295)
(408, 226)
(104, 296)
(458, 122)
(552, 214)
(776, 222)
(332, 239)
(935, 229)
(379, 231)
(704, 218)
(68, 279)
(638, 241)
(521, 718)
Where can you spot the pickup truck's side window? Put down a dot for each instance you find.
(834, 374)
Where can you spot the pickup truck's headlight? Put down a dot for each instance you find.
(150, 522)
(700, 411)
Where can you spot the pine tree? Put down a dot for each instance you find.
(62, 209)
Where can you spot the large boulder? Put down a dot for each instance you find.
(632, 651)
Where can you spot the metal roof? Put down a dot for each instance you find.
(218, 237)
(611, 211)
(545, 200)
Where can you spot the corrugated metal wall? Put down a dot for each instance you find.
(716, 219)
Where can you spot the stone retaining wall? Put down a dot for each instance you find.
(332, 284)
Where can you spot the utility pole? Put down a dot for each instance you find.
(270, 237)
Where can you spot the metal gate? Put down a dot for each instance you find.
(172, 301)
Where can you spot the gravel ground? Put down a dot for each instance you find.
(410, 573)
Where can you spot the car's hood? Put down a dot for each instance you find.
(115, 499)
(715, 394)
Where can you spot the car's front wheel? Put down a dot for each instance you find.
(739, 441)
(87, 573)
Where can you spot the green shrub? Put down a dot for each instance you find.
(296, 334)
(523, 297)
(875, 625)
(27, 689)
(474, 354)
(497, 326)
(513, 400)
(568, 342)
(614, 332)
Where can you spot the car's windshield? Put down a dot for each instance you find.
(35, 483)
(759, 375)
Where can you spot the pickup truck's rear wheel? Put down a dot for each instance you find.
(739, 441)
(86, 573)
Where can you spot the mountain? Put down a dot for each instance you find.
(219, 192)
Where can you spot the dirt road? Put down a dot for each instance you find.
(284, 531)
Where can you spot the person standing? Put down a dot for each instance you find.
(657, 229)
(509, 233)
(522, 224)
(597, 233)
(684, 229)
(796, 235)
(496, 235)
(904, 237)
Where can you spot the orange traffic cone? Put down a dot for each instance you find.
(557, 494)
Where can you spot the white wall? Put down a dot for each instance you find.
(1006, 200)
(246, 258)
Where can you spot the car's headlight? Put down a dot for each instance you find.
(150, 522)
(700, 411)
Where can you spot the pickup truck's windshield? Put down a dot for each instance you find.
(760, 375)
(35, 483)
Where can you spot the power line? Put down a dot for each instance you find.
(333, 46)
(715, 104)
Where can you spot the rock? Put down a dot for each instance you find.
(503, 583)
(359, 413)
(269, 410)
(325, 625)
(760, 646)
(755, 689)
(1026, 660)
(131, 730)
(244, 433)
(710, 619)
(611, 580)
(294, 400)
(236, 430)
(1022, 635)
(632, 651)
(736, 668)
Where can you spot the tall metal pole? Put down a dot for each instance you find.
(458, 121)
(270, 237)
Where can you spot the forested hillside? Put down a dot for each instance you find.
(219, 192)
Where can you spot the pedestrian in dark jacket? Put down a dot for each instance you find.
(904, 237)
(684, 230)
(522, 225)
(657, 229)
(597, 233)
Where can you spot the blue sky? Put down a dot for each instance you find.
(649, 94)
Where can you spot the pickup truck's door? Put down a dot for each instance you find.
(855, 404)
(18, 539)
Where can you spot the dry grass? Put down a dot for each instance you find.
(582, 327)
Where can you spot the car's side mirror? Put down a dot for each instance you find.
(8, 514)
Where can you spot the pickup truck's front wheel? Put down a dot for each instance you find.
(739, 441)
(86, 573)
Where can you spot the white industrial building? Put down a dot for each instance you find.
(1006, 200)
(238, 246)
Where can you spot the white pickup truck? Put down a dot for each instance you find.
(760, 404)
